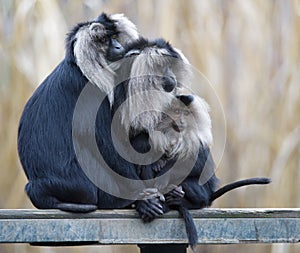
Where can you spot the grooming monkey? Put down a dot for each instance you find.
(55, 177)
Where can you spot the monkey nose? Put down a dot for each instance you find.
(169, 84)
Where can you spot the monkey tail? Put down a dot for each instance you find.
(229, 187)
(190, 227)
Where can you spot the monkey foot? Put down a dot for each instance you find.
(174, 197)
(76, 208)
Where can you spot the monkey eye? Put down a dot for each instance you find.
(186, 112)
(177, 111)
(114, 36)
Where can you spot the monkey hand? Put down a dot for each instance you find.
(175, 196)
(152, 193)
(159, 165)
(149, 209)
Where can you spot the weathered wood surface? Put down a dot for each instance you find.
(124, 227)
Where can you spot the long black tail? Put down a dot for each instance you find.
(190, 227)
(229, 187)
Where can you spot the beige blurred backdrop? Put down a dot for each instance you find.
(248, 49)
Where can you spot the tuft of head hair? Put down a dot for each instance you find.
(126, 29)
(152, 61)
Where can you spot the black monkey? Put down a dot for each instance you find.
(182, 132)
(185, 128)
(46, 152)
(152, 73)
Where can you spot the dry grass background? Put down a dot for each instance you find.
(248, 49)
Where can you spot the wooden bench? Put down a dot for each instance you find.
(166, 234)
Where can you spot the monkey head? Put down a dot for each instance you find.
(185, 126)
(156, 70)
(94, 45)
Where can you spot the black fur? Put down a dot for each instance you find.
(143, 43)
(55, 178)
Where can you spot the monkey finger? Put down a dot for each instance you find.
(162, 198)
(156, 211)
(146, 212)
(175, 202)
(156, 204)
(180, 194)
(149, 191)
(156, 168)
(162, 163)
(176, 194)
(152, 212)
(156, 207)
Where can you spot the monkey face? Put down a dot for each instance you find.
(108, 40)
(119, 32)
(115, 50)
(180, 116)
(180, 119)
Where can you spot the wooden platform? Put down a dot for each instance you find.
(215, 226)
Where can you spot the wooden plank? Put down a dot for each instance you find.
(126, 213)
(218, 231)
(124, 227)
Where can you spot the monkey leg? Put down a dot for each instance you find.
(196, 196)
(76, 208)
(45, 194)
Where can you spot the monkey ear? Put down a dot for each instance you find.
(186, 99)
(97, 30)
(102, 18)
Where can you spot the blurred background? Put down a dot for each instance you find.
(248, 49)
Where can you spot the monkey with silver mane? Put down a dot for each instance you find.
(45, 146)
(150, 76)
(184, 131)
